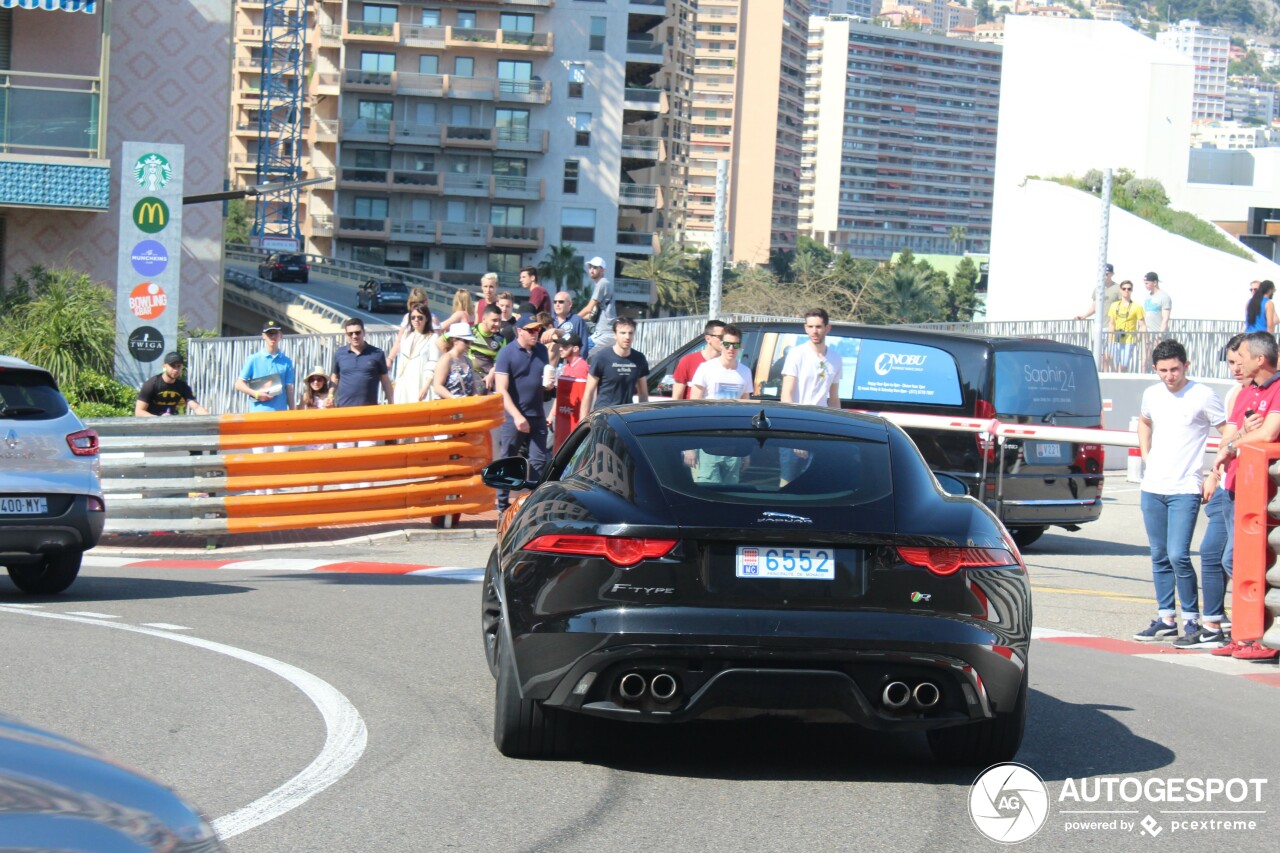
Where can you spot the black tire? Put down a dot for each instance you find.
(490, 620)
(1025, 537)
(305, 279)
(523, 728)
(985, 743)
(50, 576)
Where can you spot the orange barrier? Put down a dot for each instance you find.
(1256, 518)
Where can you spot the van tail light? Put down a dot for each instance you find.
(986, 443)
(83, 442)
(624, 552)
(947, 560)
(95, 504)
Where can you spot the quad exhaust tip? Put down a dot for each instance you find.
(663, 687)
(926, 694)
(631, 686)
(896, 695)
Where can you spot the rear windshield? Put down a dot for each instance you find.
(778, 470)
(1047, 385)
(29, 395)
(394, 287)
(291, 259)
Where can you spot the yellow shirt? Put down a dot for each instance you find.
(1124, 319)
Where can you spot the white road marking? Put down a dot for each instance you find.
(27, 606)
(452, 572)
(278, 565)
(1050, 633)
(91, 614)
(165, 626)
(1212, 663)
(345, 732)
(102, 561)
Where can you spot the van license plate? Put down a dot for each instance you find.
(23, 506)
(1048, 451)
(814, 564)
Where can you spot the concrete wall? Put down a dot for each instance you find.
(169, 81)
(1124, 391)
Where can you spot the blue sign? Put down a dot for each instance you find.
(149, 258)
(892, 371)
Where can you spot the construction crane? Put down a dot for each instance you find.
(284, 55)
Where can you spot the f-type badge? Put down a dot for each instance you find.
(784, 517)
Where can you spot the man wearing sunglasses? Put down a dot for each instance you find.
(688, 366)
(359, 369)
(564, 320)
(268, 375)
(722, 378)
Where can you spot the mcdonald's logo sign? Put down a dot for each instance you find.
(151, 215)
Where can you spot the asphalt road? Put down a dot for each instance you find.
(338, 295)
(259, 675)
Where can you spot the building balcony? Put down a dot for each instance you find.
(642, 148)
(408, 133)
(508, 188)
(634, 290)
(326, 129)
(506, 41)
(415, 231)
(58, 181)
(363, 228)
(515, 236)
(330, 35)
(370, 32)
(637, 242)
(467, 185)
(644, 100)
(639, 195)
(326, 83)
(366, 130)
(321, 225)
(462, 233)
(646, 50)
(523, 140)
(364, 179)
(358, 80)
(452, 86)
(417, 182)
(459, 136)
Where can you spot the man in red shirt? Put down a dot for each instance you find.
(539, 298)
(689, 365)
(569, 386)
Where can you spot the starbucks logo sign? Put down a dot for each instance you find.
(152, 172)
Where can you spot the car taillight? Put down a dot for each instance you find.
(83, 442)
(986, 443)
(96, 504)
(622, 551)
(948, 560)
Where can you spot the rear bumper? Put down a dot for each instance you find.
(26, 539)
(816, 666)
(1024, 513)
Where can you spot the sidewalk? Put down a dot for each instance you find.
(471, 527)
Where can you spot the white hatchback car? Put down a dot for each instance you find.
(51, 508)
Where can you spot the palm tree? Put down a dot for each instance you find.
(67, 326)
(904, 293)
(561, 265)
(958, 234)
(676, 290)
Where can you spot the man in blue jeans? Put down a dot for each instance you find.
(522, 376)
(1173, 427)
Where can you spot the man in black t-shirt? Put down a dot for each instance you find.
(167, 394)
(617, 372)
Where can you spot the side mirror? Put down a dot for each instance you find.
(511, 472)
(951, 485)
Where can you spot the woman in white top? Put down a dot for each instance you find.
(416, 366)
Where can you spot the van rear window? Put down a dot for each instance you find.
(1040, 384)
(874, 371)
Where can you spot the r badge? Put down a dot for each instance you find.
(917, 597)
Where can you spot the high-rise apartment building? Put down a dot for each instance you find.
(748, 108)
(471, 137)
(1209, 48)
(899, 148)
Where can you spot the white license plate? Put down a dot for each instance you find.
(1049, 451)
(23, 506)
(813, 564)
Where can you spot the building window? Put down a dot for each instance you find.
(373, 61)
(464, 66)
(577, 79)
(506, 264)
(428, 64)
(506, 214)
(571, 176)
(371, 159)
(512, 125)
(370, 208)
(378, 14)
(430, 17)
(455, 259)
(598, 26)
(466, 19)
(514, 76)
(578, 224)
(582, 129)
(375, 110)
(510, 173)
(515, 22)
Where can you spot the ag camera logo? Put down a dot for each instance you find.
(1008, 803)
(887, 361)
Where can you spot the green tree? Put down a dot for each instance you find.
(562, 266)
(906, 292)
(65, 323)
(958, 234)
(962, 297)
(236, 224)
(677, 291)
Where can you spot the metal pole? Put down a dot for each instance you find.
(717, 239)
(1100, 294)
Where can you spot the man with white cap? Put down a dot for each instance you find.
(602, 300)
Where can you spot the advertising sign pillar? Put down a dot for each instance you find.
(149, 268)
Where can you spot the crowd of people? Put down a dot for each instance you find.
(1177, 414)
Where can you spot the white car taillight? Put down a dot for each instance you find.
(83, 442)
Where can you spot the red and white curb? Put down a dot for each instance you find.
(1263, 673)
(350, 567)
